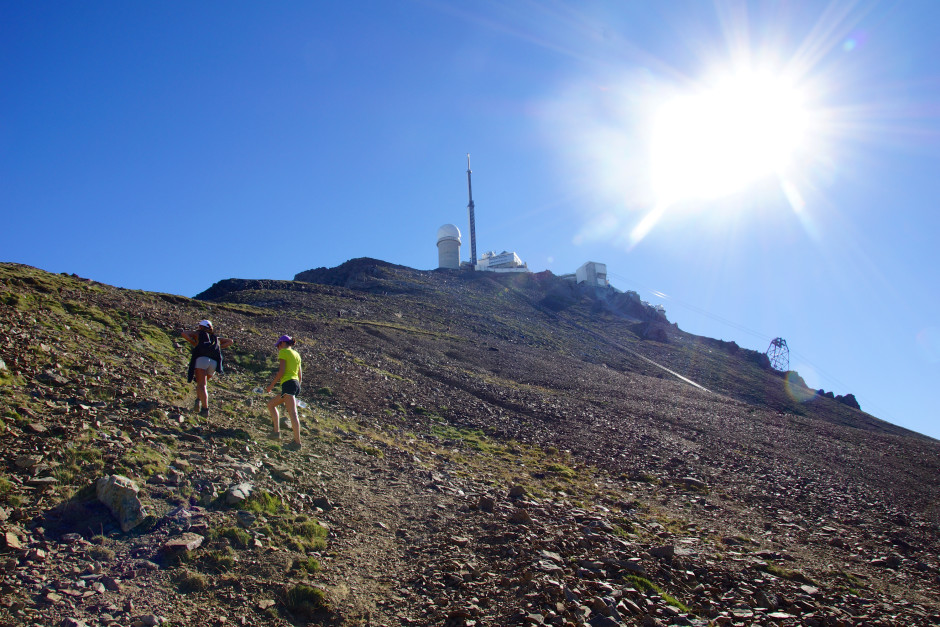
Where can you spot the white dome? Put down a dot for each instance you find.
(448, 232)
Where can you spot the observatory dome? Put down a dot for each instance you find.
(448, 232)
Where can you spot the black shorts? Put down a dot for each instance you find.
(291, 387)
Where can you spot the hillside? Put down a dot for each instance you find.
(478, 450)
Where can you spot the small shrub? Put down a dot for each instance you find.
(325, 391)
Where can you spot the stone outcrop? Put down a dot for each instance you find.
(119, 495)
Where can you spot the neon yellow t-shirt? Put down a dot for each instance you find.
(291, 363)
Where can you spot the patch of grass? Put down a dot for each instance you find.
(624, 530)
(263, 502)
(370, 450)
(644, 477)
(305, 600)
(238, 435)
(472, 438)
(189, 581)
(561, 470)
(237, 536)
(310, 565)
(310, 535)
(785, 573)
(5, 486)
(149, 460)
(10, 379)
(100, 553)
(255, 362)
(91, 312)
(220, 561)
(852, 579)
(646, 585)
(324, 391)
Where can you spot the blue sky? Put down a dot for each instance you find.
(166, 146)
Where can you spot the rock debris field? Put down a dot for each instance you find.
(478, 450)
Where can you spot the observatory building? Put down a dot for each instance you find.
(448, 247)
(592, 273)
(502, 262)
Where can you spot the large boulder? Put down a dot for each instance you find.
(850, 400)
(119, 494)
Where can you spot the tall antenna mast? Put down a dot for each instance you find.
(473, 226)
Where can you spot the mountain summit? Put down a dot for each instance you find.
(479, 449)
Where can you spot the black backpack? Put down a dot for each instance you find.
(207, 345)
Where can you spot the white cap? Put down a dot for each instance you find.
(205, 323)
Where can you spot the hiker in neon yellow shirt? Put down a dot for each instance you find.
(289, 375)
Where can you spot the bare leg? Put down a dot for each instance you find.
(201, 390)
(291, 403)
(275, 415)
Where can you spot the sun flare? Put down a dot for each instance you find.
(717, 141)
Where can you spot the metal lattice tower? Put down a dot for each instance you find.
(473, 226)
(779, 354)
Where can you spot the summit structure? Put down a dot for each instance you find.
(473, 226)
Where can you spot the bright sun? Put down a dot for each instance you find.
(718, 140)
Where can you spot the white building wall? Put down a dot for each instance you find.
(592, 273)
(448, 254)
(502, 262)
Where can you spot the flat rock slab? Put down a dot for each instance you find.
(239, 493)
(186, 542)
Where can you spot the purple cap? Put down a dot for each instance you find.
(284, 338)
